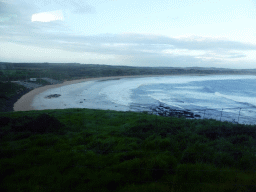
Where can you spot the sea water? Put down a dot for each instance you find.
(229, 97)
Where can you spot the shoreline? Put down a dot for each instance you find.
(25, 102)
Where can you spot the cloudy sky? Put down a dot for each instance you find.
(174, 33)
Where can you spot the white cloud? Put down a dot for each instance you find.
(48, 16)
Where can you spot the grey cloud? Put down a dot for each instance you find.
(188, 44)
(134, 44)
(167, 61)
(5, 9)
(56, 32)
(132, 48)
(81, 8)
(20, 13)
(220, 54)
(76, 6)
(147, 40)
(8, 13)
(135, 47)
(140, 44)
(236, 55)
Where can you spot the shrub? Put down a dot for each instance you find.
(153, 168)
(190, 177)
(3, 96)
(4, 121)
(198, 153)
(240, 139)
(151, 187)
(247, 162)
(109, 180)
(244, 130)
(142, 130)
(42, 124)
(130, 155)
(102, 146)
(223, 159)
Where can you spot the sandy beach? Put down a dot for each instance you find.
(25, 102)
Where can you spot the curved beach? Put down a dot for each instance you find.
(26, 101)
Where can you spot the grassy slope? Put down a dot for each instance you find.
(96, 150)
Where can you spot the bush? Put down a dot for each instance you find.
(244, 130)
(141, 130)
(151, 187)
(198, 153)
(3, 96)
(42, 124)
(247, 162)
(240, 139)
(130, 155)
(223, 159)
(190, 177)
(4, 121)
(153, 168)
(226, 130)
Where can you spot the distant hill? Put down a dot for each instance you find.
(70, 71)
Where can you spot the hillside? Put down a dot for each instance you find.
(69, 71)
(96, 150)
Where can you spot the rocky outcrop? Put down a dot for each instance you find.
(52, 96)
(167, 111)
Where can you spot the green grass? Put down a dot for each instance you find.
(96, 150)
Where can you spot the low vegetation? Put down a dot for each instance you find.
(8, 93)
(96, 150)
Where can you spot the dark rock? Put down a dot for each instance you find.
(163, 110)
(53, 96)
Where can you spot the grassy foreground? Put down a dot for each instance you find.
(96, 150)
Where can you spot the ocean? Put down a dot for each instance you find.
(222, 97)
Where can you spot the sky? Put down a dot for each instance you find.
(166, 33)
